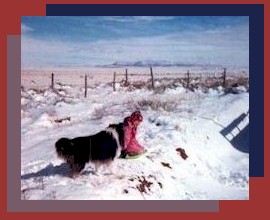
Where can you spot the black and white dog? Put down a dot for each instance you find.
(101, 148)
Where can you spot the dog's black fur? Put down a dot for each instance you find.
(100, 148)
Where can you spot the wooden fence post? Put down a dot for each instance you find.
(152, 78)
(224, 77)
(85, 86)
(126, 77)
(114, 78)
(52, 83)
(188, 79)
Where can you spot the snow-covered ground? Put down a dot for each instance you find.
(174, 118)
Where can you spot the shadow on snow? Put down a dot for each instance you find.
(51, 170)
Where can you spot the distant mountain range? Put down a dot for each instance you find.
(147, 64)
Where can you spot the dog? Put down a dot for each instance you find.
(100, 148)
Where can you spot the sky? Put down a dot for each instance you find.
(56, 41)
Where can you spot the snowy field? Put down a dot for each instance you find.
(174, 118)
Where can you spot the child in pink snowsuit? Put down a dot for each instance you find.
(131, 145)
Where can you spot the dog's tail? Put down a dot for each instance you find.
(64, 147)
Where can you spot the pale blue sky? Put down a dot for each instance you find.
(89, 41)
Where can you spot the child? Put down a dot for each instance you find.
(131, 145)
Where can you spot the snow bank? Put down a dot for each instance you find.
(173, 119)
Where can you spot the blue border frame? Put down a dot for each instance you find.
(256, 55)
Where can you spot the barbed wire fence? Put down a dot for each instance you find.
(154, 80)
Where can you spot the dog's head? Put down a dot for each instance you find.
(118, 128)
(117, 133)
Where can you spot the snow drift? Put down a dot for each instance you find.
(215, 168)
